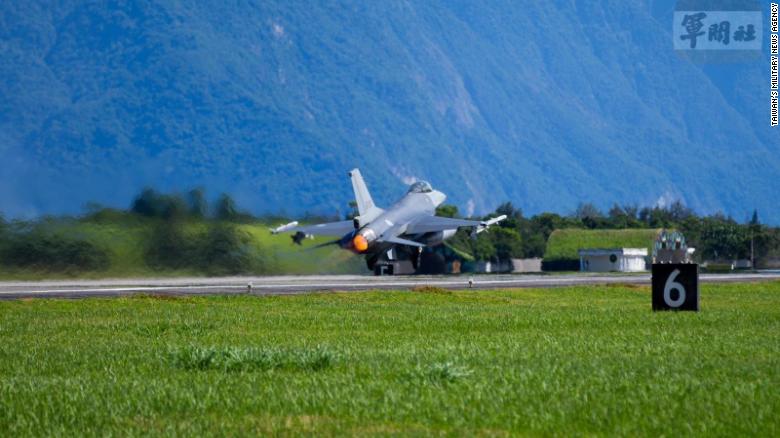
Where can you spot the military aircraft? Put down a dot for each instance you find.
(397, 233)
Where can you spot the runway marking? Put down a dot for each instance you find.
(595, 280)
(304, 285)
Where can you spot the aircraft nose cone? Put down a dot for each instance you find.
(360, 243)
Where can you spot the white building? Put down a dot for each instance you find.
(613, 260)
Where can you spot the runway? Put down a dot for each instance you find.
(286, 285)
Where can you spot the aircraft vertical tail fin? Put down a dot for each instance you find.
(365, 204)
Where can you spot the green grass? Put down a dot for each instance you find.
(564, 244)
(126, 243)
(584, 360)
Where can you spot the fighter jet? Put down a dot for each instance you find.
(384, 236)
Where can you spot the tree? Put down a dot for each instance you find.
(510, 211)
(170, 248)
(226, 208)
(618, 217)
(679, 212)
(446, 210)
(225, 250)
(546, 223)
(755, 234)
(533, 245)
(147, 203)
(656, 217)
(723, 239)
(482, 248)
(587, 210)
(507, 243)
(196, 200)
(174, 207)
(151, 203)
(590, 216)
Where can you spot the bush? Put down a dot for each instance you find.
(225, 250)
(169, 248)
(35, 249)
(221, 250)
(151, 203)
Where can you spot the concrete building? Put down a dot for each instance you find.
(527, 265)
(613, 260)
(507, 266)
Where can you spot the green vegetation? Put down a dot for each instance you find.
(181, 234)
(161, 235)
(584, 360)
(565, 244)
(139, 247)
(715, 237)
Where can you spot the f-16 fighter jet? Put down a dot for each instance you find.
(399, 232)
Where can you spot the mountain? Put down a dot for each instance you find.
(546, 104)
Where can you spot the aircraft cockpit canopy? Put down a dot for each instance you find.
(420, 187)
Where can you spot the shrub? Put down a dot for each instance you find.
(36, 249)
(170, 248)
(225, 250)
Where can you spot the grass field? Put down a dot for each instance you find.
(585, 360)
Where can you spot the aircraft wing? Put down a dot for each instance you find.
(327, 229)
(431, 224)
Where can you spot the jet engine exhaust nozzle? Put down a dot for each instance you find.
(359, 243)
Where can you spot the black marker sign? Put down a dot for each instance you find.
(676, 286)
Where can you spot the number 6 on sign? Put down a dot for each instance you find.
(673, 285)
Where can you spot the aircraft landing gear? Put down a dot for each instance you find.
(415, 258)
(381, 269)
(394, 262)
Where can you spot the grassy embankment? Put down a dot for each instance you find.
(591, 360)
(126, 243)
(565, 244)
(562, 250)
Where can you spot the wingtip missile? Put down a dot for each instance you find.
(487, 224)
(283, 228)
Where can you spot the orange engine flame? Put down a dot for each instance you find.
(360, 243)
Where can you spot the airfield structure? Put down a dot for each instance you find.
(613, 260)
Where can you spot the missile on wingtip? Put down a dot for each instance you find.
(283, 228)
(487, 224)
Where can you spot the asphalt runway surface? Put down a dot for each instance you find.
(287, 285)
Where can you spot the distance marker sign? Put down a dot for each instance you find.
(676, 286)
